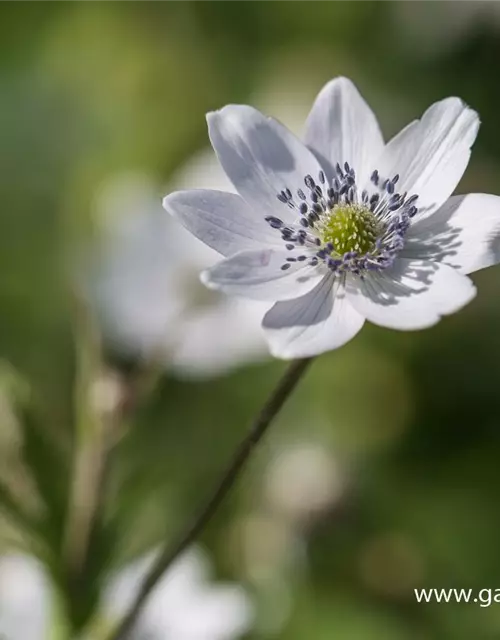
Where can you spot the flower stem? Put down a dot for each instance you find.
(243, 452)
(89, 452)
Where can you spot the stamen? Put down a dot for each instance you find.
(346, 229)
(275, 223)
(309, 182)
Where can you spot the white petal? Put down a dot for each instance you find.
(224, 221)
(464, 233)
(258, 274)
(217, 612)
(201, 349)
(261, 157)
(184, 605)
(342, 128)
(24, 598)
(430, 155)
(177, 584)
(135, 288)
(317, 322)
(413, 294)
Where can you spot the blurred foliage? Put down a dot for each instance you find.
(88, 90)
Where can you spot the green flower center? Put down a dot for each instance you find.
(350, 227)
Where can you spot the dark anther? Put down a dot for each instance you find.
(309, 182)
(275, 223)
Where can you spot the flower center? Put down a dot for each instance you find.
(342, 228)
(350, 228)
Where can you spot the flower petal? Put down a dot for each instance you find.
(316, 322)
(464, 233)
(413, 294)
(25, 598)
(216, 612)
(430, 155)
(261, 157)
(342, 128)
(201, 349)
(258, 275)
(221, 220)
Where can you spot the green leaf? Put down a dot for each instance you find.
(47, 464)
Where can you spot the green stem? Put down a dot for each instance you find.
(89, 456)
(243, 452)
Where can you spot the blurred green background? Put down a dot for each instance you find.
(382, 473)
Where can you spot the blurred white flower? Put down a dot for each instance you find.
(24, 598)
(146, 289)
(146, 280)
(184, 605)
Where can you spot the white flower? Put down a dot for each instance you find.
(184, 605)
(24, 599)
(344, 227)
(147, 293)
